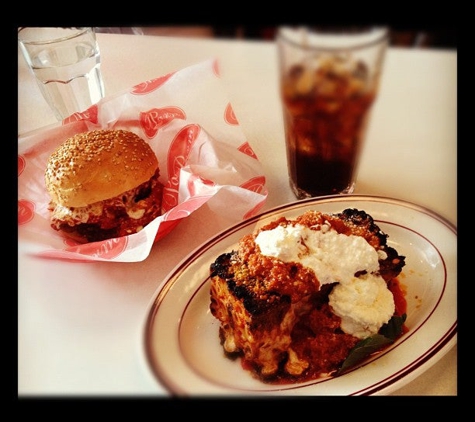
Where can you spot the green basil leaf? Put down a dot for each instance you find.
(393, 329)
(362, 350)
(387, 334)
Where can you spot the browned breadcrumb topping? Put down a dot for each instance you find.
(272, 274)
(292, 279)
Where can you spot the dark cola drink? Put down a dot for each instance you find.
(326, 109)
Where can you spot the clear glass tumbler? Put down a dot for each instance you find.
(66, 63)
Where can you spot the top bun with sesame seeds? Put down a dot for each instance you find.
(103, 184)
(97, 165)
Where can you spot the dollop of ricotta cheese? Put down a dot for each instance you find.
(334, 257)
(364, 303)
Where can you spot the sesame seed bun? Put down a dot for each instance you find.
(98, 165)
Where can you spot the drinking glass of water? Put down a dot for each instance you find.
(66, 63)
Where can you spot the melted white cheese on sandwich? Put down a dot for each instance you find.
(76, 215)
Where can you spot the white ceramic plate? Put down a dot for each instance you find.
(181, 336)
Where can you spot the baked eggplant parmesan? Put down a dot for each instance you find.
(298, 296)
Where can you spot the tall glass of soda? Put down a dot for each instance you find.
(329, 79)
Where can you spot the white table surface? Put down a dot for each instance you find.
(80, 326)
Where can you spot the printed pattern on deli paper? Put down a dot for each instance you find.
(202, 151)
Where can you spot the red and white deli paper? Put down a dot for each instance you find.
(189, 123)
